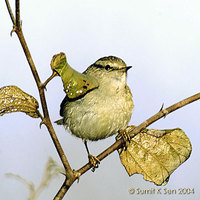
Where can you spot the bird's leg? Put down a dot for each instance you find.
(92, 159)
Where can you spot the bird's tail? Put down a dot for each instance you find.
(59, 122)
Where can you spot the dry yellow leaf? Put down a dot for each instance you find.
(156, 153)
(13, 99)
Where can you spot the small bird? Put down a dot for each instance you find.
(104, 110)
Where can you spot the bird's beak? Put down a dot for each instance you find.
(128, 67)
(125, 69)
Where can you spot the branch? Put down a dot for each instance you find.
(10, 12)
(17, 11)
(46, 119)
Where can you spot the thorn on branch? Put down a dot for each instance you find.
(165, 111)
(77, 175)
(41, 123)
(13, 30)
(161, 107)
(43, 120)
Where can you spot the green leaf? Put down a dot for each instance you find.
(13, 99)
(156, 153)
(75, 84)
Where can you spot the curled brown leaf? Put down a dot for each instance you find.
(13, 99)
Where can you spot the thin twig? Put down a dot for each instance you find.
(10, 12)
(17, 13)
(49, 79)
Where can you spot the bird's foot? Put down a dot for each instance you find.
(94, 161)
(124, 134)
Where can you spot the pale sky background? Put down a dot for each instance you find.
(160, 39)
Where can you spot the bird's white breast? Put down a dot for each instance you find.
(101, 113)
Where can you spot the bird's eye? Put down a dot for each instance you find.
(108, 67)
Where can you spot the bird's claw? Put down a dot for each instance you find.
(94, 161)
(123, 134)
